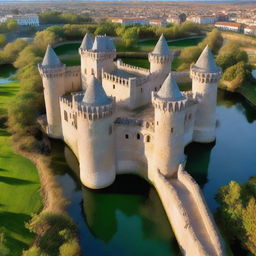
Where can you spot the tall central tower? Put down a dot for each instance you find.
(96, 56)
(205, 75)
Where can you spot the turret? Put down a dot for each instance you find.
(96, 56)
(96, 136)
(169, 104)
(161, 57)
(52, 72)
(205, 76)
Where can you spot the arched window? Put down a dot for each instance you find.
(85, 71)
(155, 89)
(141, 90)
(127, 136)
(157, 123)
(148, 138)
(114, 86)
(138, 136)
(172, 130)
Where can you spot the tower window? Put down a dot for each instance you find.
(172, 130)
(141, 90)
(85, 71)
(110, 130)
(157, 122)
(148, 138)
(127, 136)
(114, 86)
(65, 115)
(138, 136)
(155, 89)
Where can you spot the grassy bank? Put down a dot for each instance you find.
(19, 185)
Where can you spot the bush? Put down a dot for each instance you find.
(70, 248)
(214, 40)
(43, 38)
(190, 54)
(57, 233)
(237, 213)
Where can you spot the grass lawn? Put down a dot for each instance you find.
(19, 186)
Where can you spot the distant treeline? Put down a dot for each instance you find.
(54, 17)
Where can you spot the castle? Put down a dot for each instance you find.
(119, 118)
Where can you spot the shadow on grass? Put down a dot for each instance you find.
(3, 170)
(13, 224)
(14, 181)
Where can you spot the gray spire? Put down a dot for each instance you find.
(103, 44)
(206, 61)
(170, 90)
(110, 44)
(161, 47)
(95, 94)
(50, 58)
(87, 42)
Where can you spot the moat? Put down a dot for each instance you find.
(134, 222)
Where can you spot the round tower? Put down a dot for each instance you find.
(161, 57)
(169, 104)
(96, 136)
(86, 45)
(205, 75)
(97, 56)
(52, 72)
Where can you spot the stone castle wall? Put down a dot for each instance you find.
(205, 213)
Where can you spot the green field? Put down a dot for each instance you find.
(19, 185)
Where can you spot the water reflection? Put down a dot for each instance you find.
(126, 218)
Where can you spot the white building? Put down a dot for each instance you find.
(229, 26)
(22, 19)
(130, 21)
(250, 30)
(159, 23)
(203, 20)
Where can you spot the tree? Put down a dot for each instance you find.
(214, 40)
(11, 25)
(2, 39)
(190, 54)
(11, 51)
(43, 38)
(237, 213)
(130, 36)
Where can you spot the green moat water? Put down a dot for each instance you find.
(128, 218)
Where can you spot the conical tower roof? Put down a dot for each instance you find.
(206, 61)
(161, 47)
(95, 94)
(50, 58)
(87, 42)
(170, 90)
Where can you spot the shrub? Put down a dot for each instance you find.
(190, 54)
(237, 213)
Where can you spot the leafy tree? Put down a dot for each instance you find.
(130, 36)
(214, 40)
(43, 38)
(190, 54)
(237, 213)
(11, 25)
(10, 52)
(2, 39)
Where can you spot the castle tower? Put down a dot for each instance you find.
(205, 75)
(169, 104)
(86, 45)
(96, 136)
(97, 56)
(52, 72)
(161, 57)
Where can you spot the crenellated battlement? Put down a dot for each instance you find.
(67, 101)
(97, 55)
(73, 71)
(159, 59)
(116, 79)
(170, 106)
(133, 122)
(133, 69)
(204, 77)
(51, 72)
